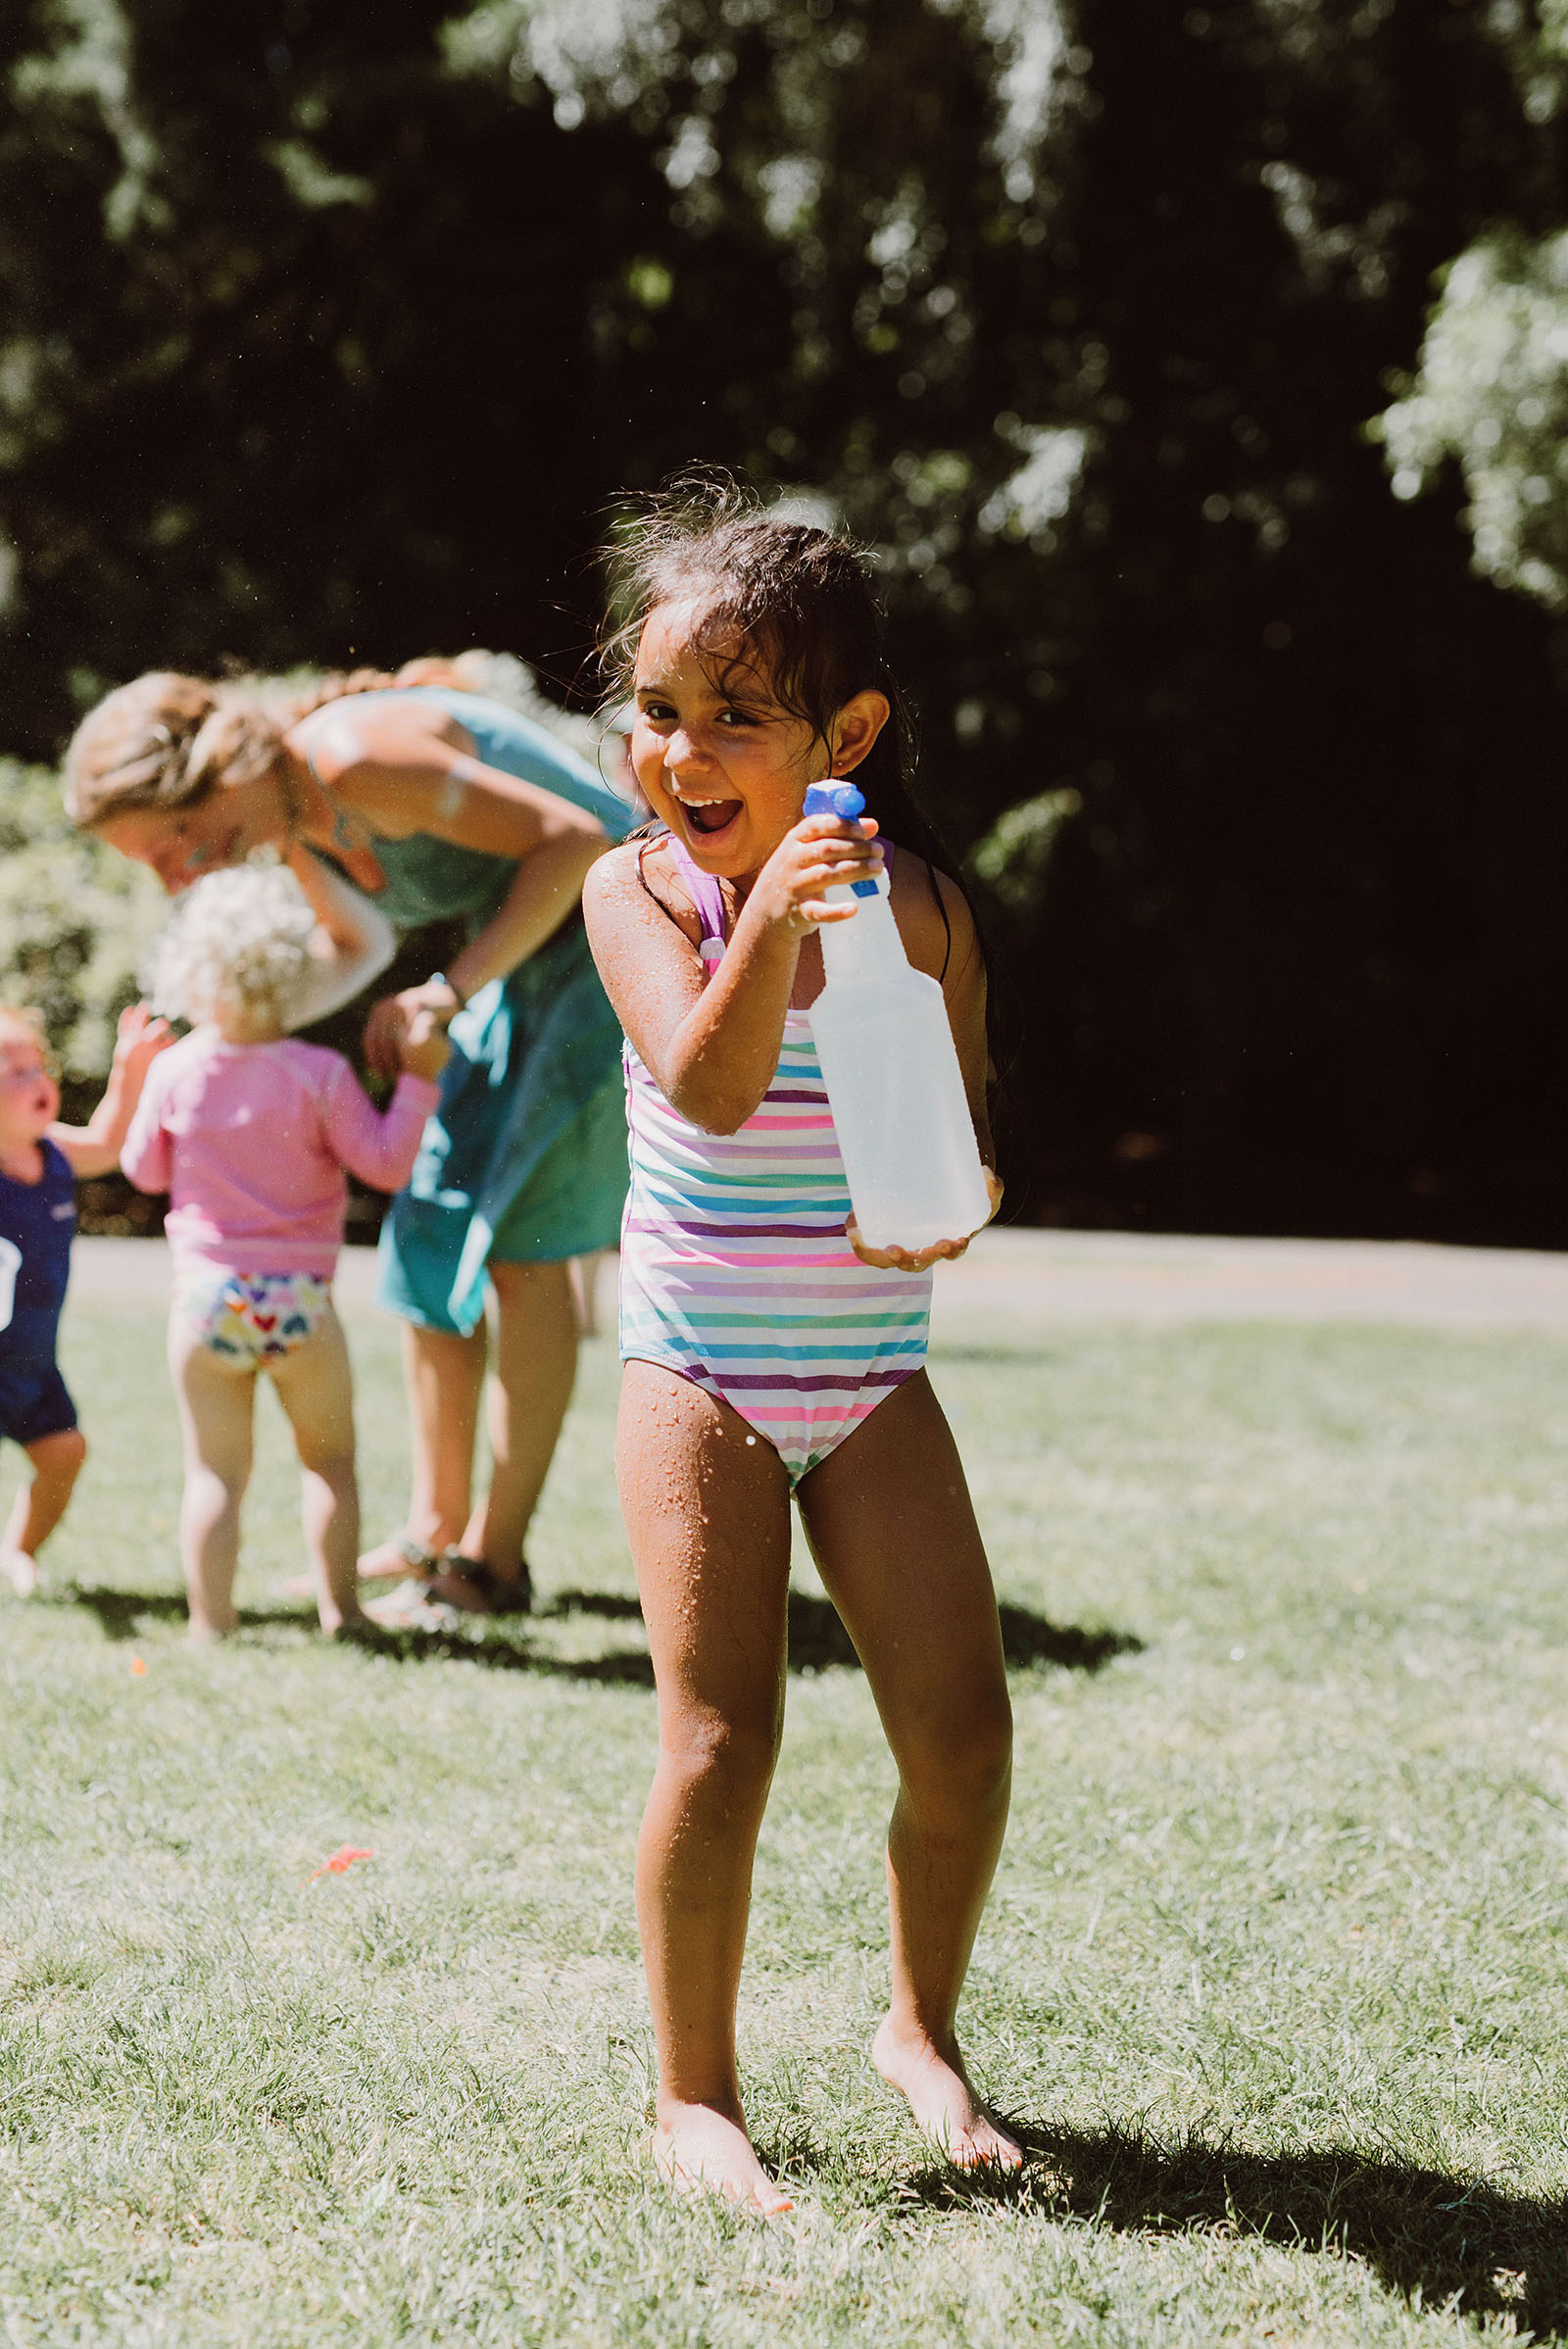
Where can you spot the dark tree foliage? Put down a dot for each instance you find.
(317, 343)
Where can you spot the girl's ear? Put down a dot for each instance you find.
(854, 729)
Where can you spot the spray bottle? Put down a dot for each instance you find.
(892, 1072)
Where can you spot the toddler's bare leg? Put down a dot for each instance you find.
(315, 1388)
(215, 1399)
(892, 1531)
(708, 1516)
(39, 1505)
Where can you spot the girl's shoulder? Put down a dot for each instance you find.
(641, 868)
(933, 915)
(312, 1064)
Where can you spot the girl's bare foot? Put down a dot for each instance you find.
(695, 2148)
(19, 1571)
(945, 2106)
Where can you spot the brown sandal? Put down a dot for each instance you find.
(495, 1594)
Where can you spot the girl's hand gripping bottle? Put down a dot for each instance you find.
(892, 1073)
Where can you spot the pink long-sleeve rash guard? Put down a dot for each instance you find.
(251, 1140)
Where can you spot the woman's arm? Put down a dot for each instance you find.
(354, 940)
(713, 1049)
(413, 769)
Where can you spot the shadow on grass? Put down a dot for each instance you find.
(817, 1639)
(1422, 2232)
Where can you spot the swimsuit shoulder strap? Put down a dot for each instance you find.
(706, 897)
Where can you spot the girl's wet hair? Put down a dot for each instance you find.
(769, 597)
(765, 597)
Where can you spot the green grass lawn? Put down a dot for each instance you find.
(1275, 1970)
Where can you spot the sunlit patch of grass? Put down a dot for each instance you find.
(1274, 1976)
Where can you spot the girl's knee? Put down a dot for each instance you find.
(58, 1455)
(963, 1764)
(219, 1487)
(735, 1758)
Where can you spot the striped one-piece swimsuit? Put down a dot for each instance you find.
(735, 1271)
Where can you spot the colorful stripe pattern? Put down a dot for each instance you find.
(735, 1271)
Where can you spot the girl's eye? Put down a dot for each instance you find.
(736, 717)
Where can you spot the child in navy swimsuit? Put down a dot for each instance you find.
(39, 1162)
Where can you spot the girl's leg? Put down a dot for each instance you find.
(532, 1380)
(215, 1400)
(40, 1504)
(444, 1374)
(708, 1516)
(315, 1388)
(892, 1531)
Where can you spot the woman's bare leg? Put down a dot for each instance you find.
(215, 1399)
(708, 1516)
(892, 1531)
(585, 1291)
(444, 1374)
(315, 1388)
(39, 1505)
(534, 1366)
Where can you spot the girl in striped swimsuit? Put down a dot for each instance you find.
(767, 1349)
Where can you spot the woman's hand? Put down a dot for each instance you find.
(389, 1026)
(822, 852)
(907, 1260)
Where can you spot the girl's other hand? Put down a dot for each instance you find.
(915, 1259)
(423, 1050)
(822, 852)
(391, 1017)
(139, 1037)
(383, 1036)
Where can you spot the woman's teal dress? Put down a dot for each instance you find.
(525, 1155)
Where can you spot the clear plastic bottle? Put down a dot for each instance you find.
(892, 1072)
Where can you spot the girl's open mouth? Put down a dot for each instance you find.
(711, 815)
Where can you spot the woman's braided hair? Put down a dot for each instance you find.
(166, 740)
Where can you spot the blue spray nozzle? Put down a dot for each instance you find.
(834, 799)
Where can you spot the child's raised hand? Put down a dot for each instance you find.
(139, 1037)
(422, 1046)
(915, 1259)
(822, 852)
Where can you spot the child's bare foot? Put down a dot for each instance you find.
(695, 2148)
(945, 2106)
(207, 1633)
(21, 1571)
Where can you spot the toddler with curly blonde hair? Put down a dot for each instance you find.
(249, 1130)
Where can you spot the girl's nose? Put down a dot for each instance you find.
(681, 752)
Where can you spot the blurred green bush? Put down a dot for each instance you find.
(74, 920)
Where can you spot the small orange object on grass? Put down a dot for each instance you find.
(340, 1862)
(139, 1666)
